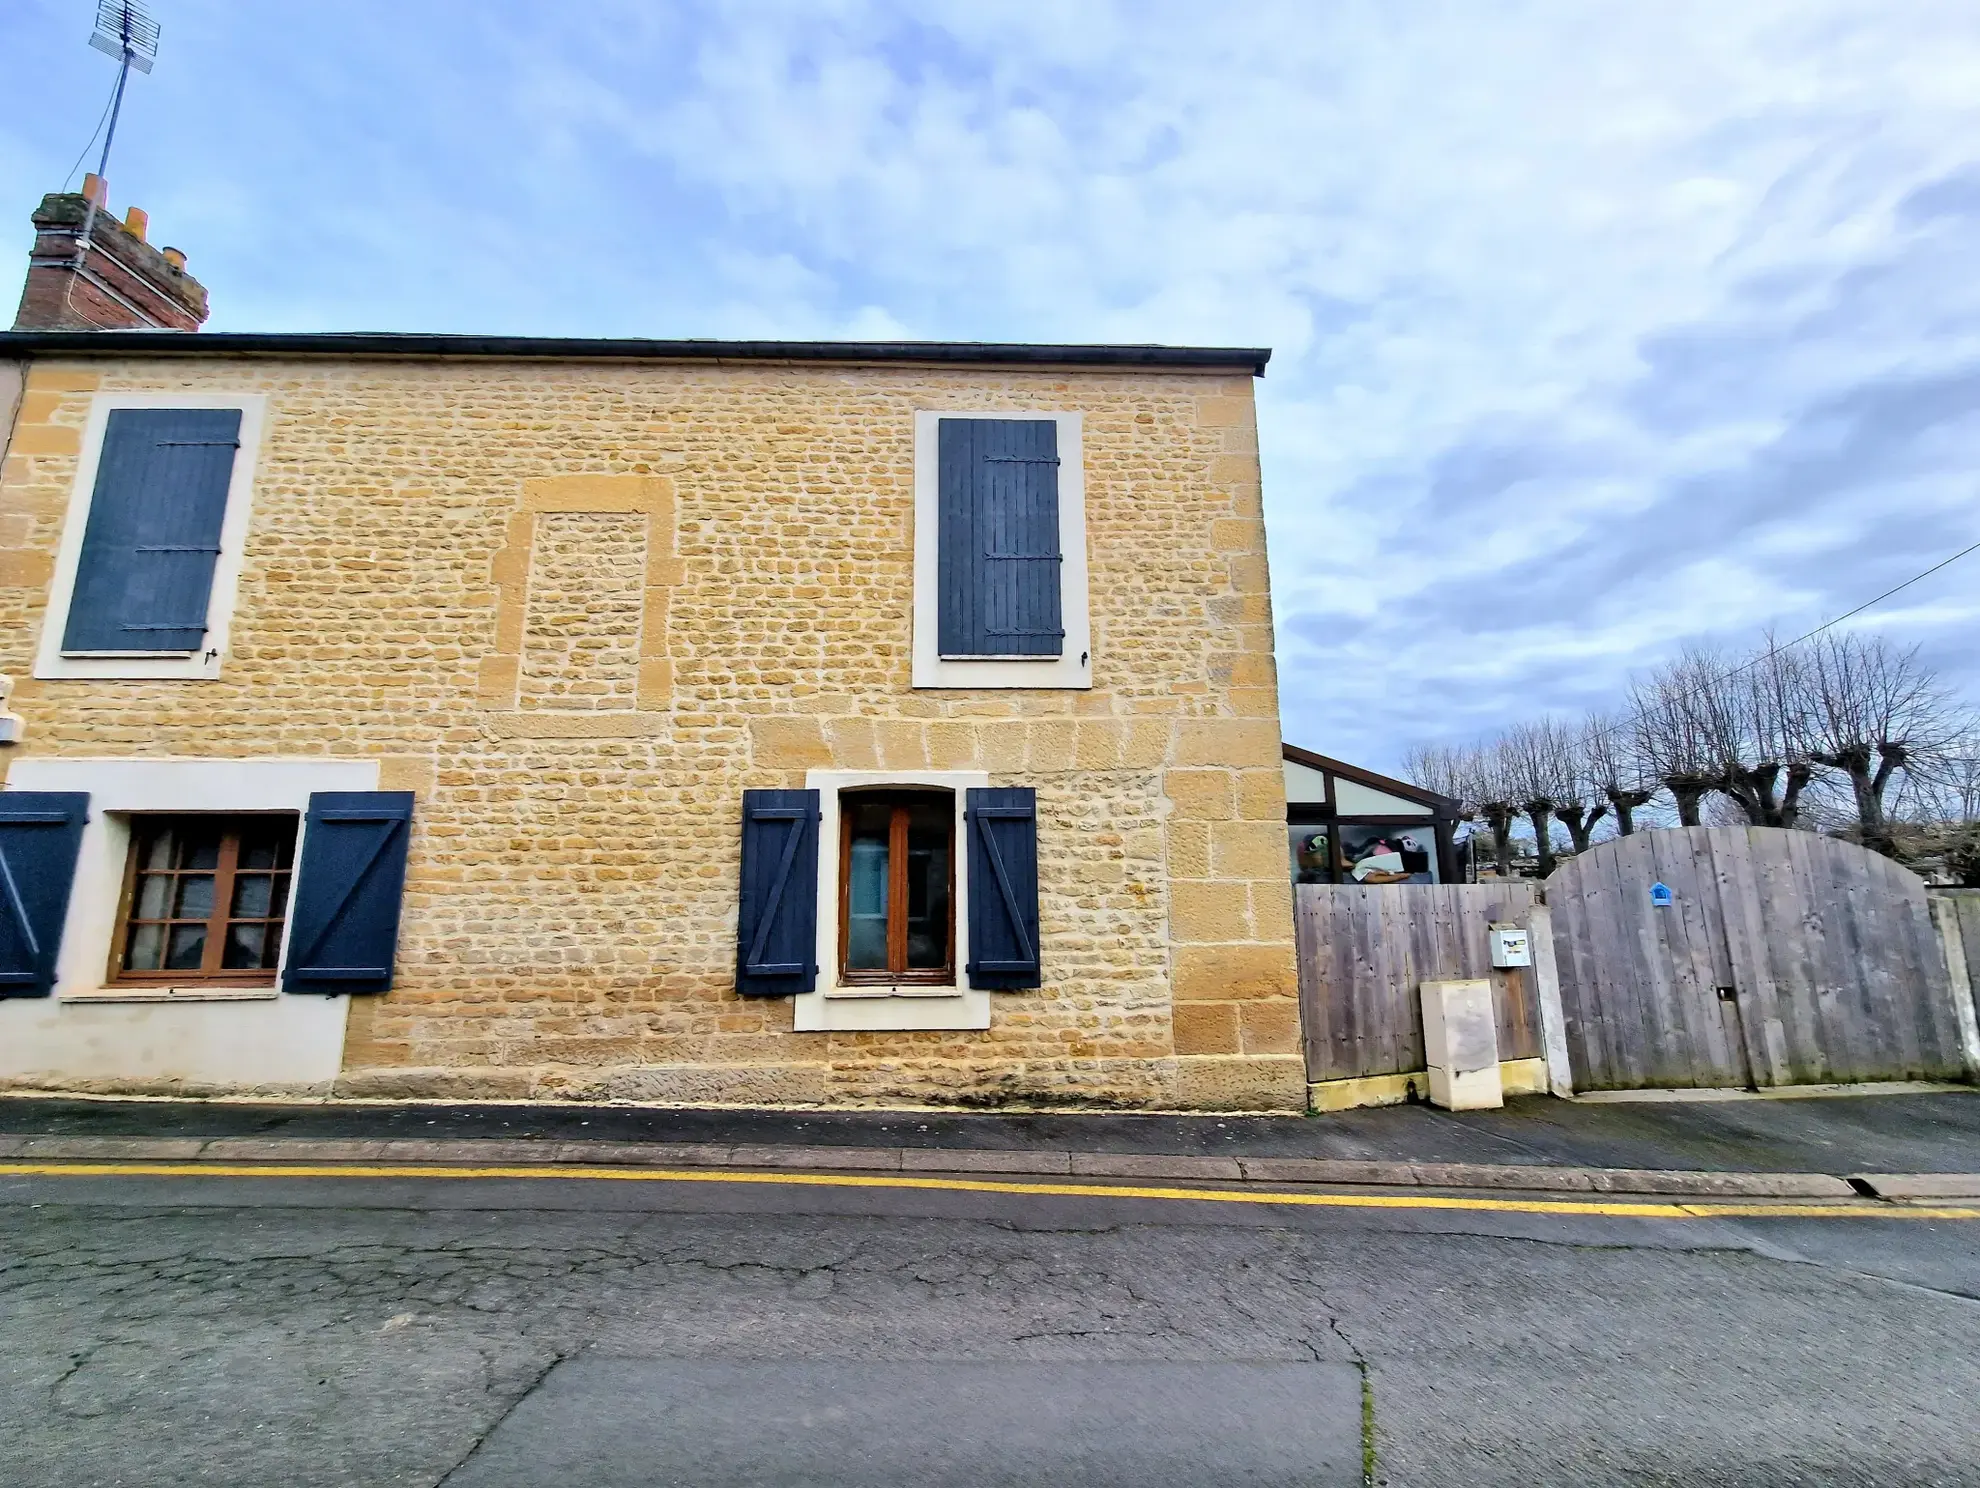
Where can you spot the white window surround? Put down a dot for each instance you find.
(202, 665)
(833, 1008)
(118, 787)
(1073, 667)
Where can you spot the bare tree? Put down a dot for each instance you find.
(1740, 729)
(1540, 764)
(1609, 756)
(1768, 753)
(1672, 736)
(1443, 769)
(1933, 817)
(1490, 790)
(1873, 710)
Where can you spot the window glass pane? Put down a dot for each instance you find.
(199, 846)
(154, 893)
(1391, 853)
(147, 949)
(866, 888)
(195, 897)
(245, 944)
(253, 893)
(186, 949)
(158, 849)
(267, 843)
(1311, 855)
(928, 885)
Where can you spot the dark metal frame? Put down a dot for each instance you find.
(1443, 818)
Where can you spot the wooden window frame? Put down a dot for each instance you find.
(899, 800)
(225, 870)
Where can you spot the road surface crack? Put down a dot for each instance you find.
(507, 1411)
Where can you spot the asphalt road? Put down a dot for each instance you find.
(301, 1332)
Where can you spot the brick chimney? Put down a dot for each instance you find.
(121, 283)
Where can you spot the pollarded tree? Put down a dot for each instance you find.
(1873, 710)
(1610, 759)
(1671, 737)
(1704, 724)
(1539, 764)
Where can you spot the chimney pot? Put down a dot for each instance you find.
(175, 257)
(96, 189)
(136, 219)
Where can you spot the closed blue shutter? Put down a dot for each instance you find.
(1003, 888)
(998, 561)
(153, 536)
(777, 913)
(344, 928)
(40, 834)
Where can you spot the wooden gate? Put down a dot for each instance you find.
(1365, 949)
(1775, 958)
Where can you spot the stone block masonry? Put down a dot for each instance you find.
(580, 607)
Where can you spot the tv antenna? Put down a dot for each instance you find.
(124, 31)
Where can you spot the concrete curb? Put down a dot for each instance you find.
(1920, 1185)
(986, 1162)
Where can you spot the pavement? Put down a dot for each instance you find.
(1911, 1146)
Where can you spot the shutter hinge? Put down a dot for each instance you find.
(174, 548)
(197, 444)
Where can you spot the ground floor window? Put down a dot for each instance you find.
(896, 887)
(205, 899)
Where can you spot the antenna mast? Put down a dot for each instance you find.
(126, 32)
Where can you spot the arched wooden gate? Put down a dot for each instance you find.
(1774, 958)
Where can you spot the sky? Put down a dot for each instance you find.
(1598, 327)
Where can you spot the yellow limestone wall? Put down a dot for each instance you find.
(580, 607)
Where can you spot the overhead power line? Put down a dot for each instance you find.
(1629, 719)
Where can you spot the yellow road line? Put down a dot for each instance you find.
(1599, 1208)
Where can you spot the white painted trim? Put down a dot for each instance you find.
(202, 665)
(832, 1008)
(1073, 668)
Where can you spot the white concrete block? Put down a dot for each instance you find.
(1472, 1090)
(1459, 1029)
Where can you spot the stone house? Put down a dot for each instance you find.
(741, 722)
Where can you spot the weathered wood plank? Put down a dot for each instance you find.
(1753, 970)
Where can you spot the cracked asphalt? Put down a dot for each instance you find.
(304, 1332)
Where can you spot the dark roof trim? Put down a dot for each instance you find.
(579, 348)
(1442, 805)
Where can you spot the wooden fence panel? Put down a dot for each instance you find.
(1365, 949)
(1783, 958)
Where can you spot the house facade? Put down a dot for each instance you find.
(685, 722)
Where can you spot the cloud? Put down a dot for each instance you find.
(1598, 328)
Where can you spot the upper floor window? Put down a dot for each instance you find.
(1000, 551)
(150, 555)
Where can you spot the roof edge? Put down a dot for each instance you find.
(595, 348)
(1387, 783)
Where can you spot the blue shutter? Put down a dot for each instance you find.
(40, 834)
(1003, 888)
(998, 563)
(777, 912)
(344, 928)
(153, 536)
